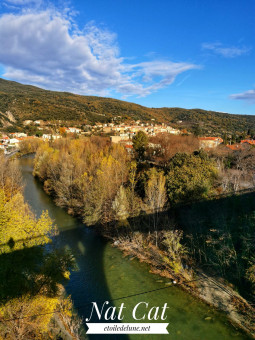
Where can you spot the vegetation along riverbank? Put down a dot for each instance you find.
(32, 275)
(186, 212)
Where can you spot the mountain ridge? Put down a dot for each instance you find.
(25, 102)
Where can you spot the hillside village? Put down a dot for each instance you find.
(121, 133)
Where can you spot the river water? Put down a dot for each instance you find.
(104, 274)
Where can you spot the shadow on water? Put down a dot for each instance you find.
(104, 274)
(88, 283)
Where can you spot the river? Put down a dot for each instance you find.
(104, 274)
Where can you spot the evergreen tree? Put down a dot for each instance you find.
(140, 143)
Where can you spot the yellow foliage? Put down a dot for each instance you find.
(66, 275)
(23, 308)
(67, 306)
(84, 175)
(19, 227)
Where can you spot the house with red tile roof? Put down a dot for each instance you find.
(235, 147)
(249, 141)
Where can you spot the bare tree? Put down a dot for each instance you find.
(155, 195)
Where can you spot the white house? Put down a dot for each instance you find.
(46, 136)
(73, 130)
(14, 141)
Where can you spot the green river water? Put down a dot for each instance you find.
(104, 274)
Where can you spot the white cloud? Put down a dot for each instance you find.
(247, 96)
(46, 49)
(227, 52)
(23, 2)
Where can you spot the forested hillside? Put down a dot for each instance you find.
(28, 102)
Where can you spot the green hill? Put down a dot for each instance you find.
(22, 102)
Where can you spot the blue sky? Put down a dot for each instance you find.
(165, 53)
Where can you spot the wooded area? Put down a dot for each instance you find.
(137, 199)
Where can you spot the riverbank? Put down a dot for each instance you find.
(65, 323)
(104, 274)
(210, 290)
(213, 291)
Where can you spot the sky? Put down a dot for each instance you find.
(164, 53)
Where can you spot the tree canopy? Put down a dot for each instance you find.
(190, 177)
(140, 143)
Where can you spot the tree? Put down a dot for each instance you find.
(140, 143)
(16, 224)
(166, 145)
(38, 133)
(175, 250)
(155, 195)
(30, 145)
(190, 177)
(225, 138)
(133, 199)
(250, 275)
(233, 138)
(30, 273)
(155, 191)
(26, 327)
(120, 205)
(62, 131)
(36, 269)
(198, 131)
(10, 177)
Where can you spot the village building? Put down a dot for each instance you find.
(49, 137)
(73, 130)
(248, 141)
(129, 148)
(18, 134)
(37, 122)
(13, 142)
(117, 139)
(27, 122)
(209, 142)
(107, 129)
(235, 147)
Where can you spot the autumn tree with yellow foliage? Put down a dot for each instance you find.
(30, 274)
(84, 176)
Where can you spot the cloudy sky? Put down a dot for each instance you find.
(184, 53)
